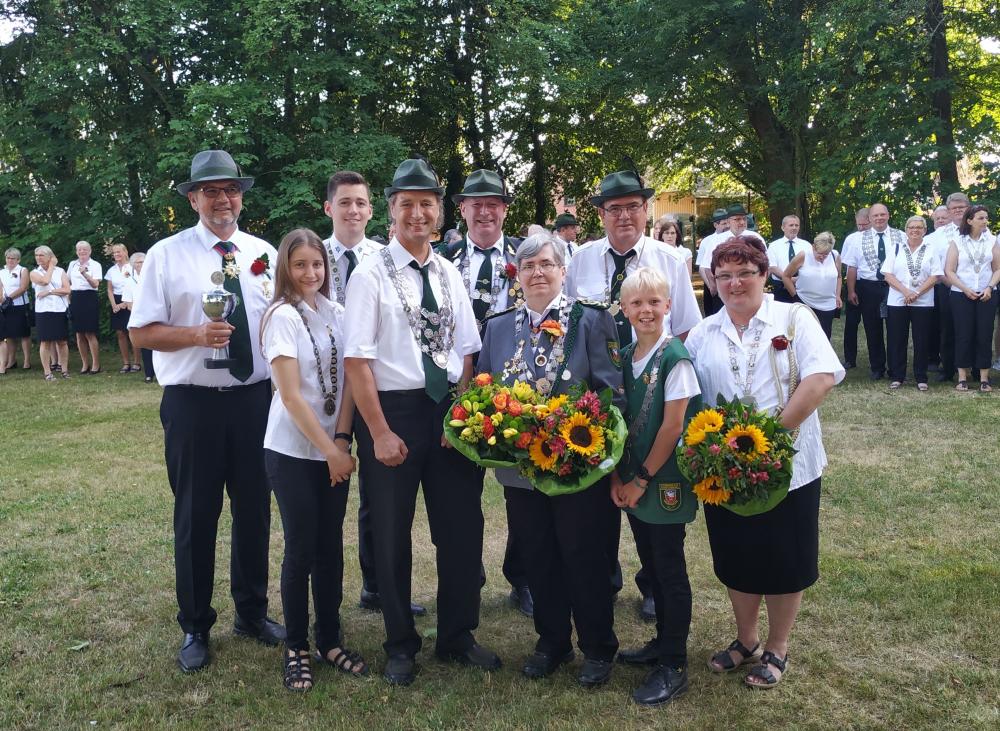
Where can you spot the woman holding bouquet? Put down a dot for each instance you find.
(759, 350)
(552, 343)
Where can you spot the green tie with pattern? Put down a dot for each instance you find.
(352, 263)
(239, 340)
(484, 285)
(435, 377)
(622, 324)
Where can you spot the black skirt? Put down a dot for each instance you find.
(51, 326)
(83, 310)
(119, 320)
(773, 553)
(14, 323)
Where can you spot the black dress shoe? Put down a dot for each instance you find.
(476, 656)
(193, 655)
(371, 601)
(541, 664)
(662, 686)
(877, 375)
(417, 610)
(520, 597)
(647, 609)
(648, 654)
(266, 631)
(594, 672)
(848, 365)
(400, 670)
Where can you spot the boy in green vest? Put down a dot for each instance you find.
(663, 394)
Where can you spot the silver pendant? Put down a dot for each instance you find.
(541, 359)
(614, 308)
(543, 385)
(566, 375)
(329, 406)
(748, 401)
(440, 359)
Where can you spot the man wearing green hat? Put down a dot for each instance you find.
(410, 340)
(566, 229)
(213, 419)
(736, 220)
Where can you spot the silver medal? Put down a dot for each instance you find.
(566, 375)
(541, 359)
(440, 359)
(543, 385)
(614, 308)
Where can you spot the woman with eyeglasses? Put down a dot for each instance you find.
(553, 342)
(669, 232)
(739, 352)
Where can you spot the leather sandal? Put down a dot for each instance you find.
(722, 661)
(346, 661)
(764, 673)
(961, 386)
(298, 672)
(985, 387)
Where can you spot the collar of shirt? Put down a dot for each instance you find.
(762, 316)
(537, 317)
(337, 249)
(209, 239)
(605, 246)
(402, 258)
(471, 248)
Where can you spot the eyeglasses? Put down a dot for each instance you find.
(617, 211)
(231, 191)
(744, 276)
(544, 267)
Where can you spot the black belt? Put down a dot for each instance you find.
(220, 389)
(410, 392)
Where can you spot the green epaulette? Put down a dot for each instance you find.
(594, 304)
(501, 312)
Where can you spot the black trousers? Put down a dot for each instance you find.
(366, 537)
(973, 321)
(312, 517)
(452, 489)
(903, 320)
(852, 318)
(213, 442)
(662, 549)
(564, 540)
(826, 318)
(710, 302)
(147, 362)
(871, 295)
(780, 293)
(946, 329)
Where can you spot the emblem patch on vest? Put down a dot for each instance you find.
(614, 354)
(670, 496)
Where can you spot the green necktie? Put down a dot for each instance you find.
(435, 377)
(239, 341)
(791, 250)
(621, 322)
(881, 257)
(484, 284)
(352, 263)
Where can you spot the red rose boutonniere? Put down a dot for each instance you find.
(510, 272)
(261, 265)
(779, 342)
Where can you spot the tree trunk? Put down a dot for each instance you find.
(941, 85)
(538, 173)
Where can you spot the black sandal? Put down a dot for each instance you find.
(763, 672)
(725, 661)
(298, 671)
(346, 661)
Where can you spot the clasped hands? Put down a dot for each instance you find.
(625, 495)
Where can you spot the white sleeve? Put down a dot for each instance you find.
(812, 349)
(772, 254)
(151, 302)
(361, 328)
(684, 312)
(681, 382)
(280, 336)
(890, 260)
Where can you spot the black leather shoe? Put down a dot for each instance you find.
(400, 670)
(662, 686)
(476, 656)
(594, 672)
(266, 631)
(520, 598)
(193, 655)
(648, 654)
(371, 601)
(848, 365)
(877, 375)
(541, 664)
(943, 377)
(647, 609)
(417, 610)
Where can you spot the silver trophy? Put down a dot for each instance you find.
(218, 304)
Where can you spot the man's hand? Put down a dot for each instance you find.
(390, 450)
(852, 297)
(213, 334)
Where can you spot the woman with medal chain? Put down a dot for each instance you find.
(307, 452)
(755, 348)
(553, 342)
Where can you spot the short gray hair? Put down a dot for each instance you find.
(83, 243)
(824, 241)
(959, 197)
(137, 256)
(533, 245)
(912, 219)
(16, 253)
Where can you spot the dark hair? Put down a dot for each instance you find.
(284, 290)
(966, 227)
(676, 226)
(344, 177)
(741, 250)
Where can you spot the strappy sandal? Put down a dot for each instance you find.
(126, 369)
(894, 385)
(985, 387)
(763, 672)
(921, 386)
(136, 368)
(298, 671)
(49, 377)
(961, 386)
(722, 661)
(346, 661)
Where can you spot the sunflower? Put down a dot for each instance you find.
(707, 420)
(582, 436)
(694, 436)
(711, 492)
(540, 454)
(747, 441)
(557, 402)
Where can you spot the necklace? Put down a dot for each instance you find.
(490, 297)
(650, 380)
(914, 265)
(615, 307)
(329, 397)
(551, 362)
(441, 336)
(976, 256)
(745, 384)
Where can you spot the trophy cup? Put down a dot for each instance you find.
(218, 304)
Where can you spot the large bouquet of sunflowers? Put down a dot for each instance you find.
(576, 440)
(737, 457)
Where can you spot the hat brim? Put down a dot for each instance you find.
(392, 189)
(597, 200)
(507, 199)
(185, 188)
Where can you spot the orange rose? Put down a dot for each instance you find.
(483, 379)
(514, 407)
(458, 412)
(552, 327)
(523, 440)
(500, 401)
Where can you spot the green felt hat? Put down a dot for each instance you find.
(736, 209)
(214, 165)
(415, 174)
(565, 219)
(484, 184)
(619, 184)
(719, 215)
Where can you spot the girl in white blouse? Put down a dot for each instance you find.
(307, 452)
(51, 287)
(972, 268)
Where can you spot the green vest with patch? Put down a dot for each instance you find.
(668, 497)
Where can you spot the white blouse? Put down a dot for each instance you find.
(930, 266)
(10, 282)
(965, 270)
(709, 344)
(285, 335)
(51, 303)
(77, 282)
(817, 282)
(117, 276)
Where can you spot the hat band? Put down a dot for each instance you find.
(416, 180)
(219, 171)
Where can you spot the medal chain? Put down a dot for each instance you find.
(329, 397)
(745, 384)
(439, 341)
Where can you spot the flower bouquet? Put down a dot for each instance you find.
(576, 440)
(490, 423)
(737, 457)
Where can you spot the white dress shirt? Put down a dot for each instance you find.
(378, 329)
(708, 345)
(77, 282)
(590, 272)
(712, 241)
(285, 335)
(965, 270)
(176, 272)
(818, 283)
(10, 282)
(339, 262)
(53, 302)
(681, 382)
(569, 248)
(930, 266)
(777, 253)
(474, 256)
(940, 239)
(853, 254)
(117, 276)
(128, 289)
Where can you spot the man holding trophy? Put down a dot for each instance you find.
(198, 307)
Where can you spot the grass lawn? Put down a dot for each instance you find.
(898, 633)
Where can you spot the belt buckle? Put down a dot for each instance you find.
(226, 389)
